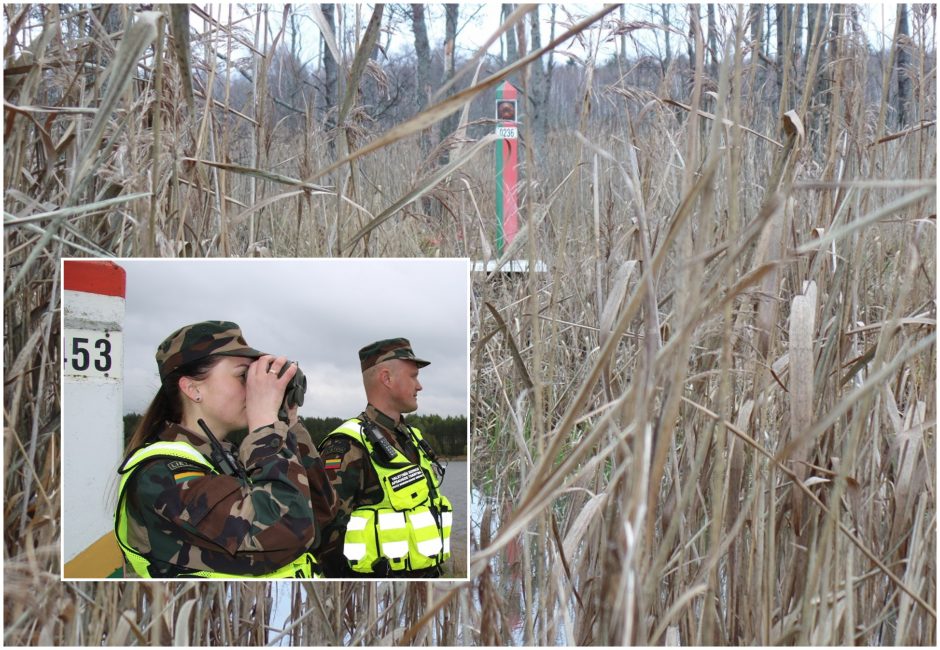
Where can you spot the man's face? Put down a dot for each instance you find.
(404, 385)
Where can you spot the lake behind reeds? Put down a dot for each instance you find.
(456, 488)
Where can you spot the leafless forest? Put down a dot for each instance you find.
(711, 422)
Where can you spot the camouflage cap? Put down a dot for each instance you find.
(192, 342)
(380, 351)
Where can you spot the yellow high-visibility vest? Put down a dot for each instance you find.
(411, 526)
(303, 567)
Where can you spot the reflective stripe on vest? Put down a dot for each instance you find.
(303, 567)
(429, 542)
(353, 549)
(393, 535)
(409, 528)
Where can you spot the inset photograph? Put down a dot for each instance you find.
(265, 419)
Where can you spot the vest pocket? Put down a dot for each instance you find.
(424, 538)
(359, 545)
(406, 489)
(447, 520)
(393, 538)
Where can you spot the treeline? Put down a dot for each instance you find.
(446, 435)
(785, 43)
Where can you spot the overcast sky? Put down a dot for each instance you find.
(317, 312)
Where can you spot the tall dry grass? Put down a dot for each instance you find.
(712, 421)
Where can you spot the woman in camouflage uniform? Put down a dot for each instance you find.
(190, 503)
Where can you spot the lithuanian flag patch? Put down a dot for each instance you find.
(182, 477)
(333, 463)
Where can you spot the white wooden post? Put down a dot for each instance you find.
(92, 415)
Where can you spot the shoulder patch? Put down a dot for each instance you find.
(182, 477)
(335, 446)
(176, 465)
(184, 470)
(333, 462)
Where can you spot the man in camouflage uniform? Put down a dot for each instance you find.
(192, 506)
(348, 464)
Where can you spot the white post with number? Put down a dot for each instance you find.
(92, 415)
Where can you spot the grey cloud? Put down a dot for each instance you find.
(317, 312)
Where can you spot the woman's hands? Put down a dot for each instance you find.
(265, 390)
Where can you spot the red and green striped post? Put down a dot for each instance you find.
(507, 166)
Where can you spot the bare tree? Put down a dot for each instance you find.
(903, 65)
(831, 53)
(798, 38)
(423, 53)
(666, 22)
(813, 13)
(449, 123)
(330, 91)
(511, 53)
(623, 34)
(755, 18)
(540, 85)
(817, 17)
(550, 64)
(783, 26)
(712, 42)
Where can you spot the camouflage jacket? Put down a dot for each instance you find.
(183, 518)
(356, 483)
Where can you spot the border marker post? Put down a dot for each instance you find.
(507, 185)
(507, 166)
(92, 402)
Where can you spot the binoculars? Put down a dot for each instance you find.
(294, 392)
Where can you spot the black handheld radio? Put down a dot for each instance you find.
(379, 442)
(225, 462)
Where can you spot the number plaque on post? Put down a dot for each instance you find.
(91, 353)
